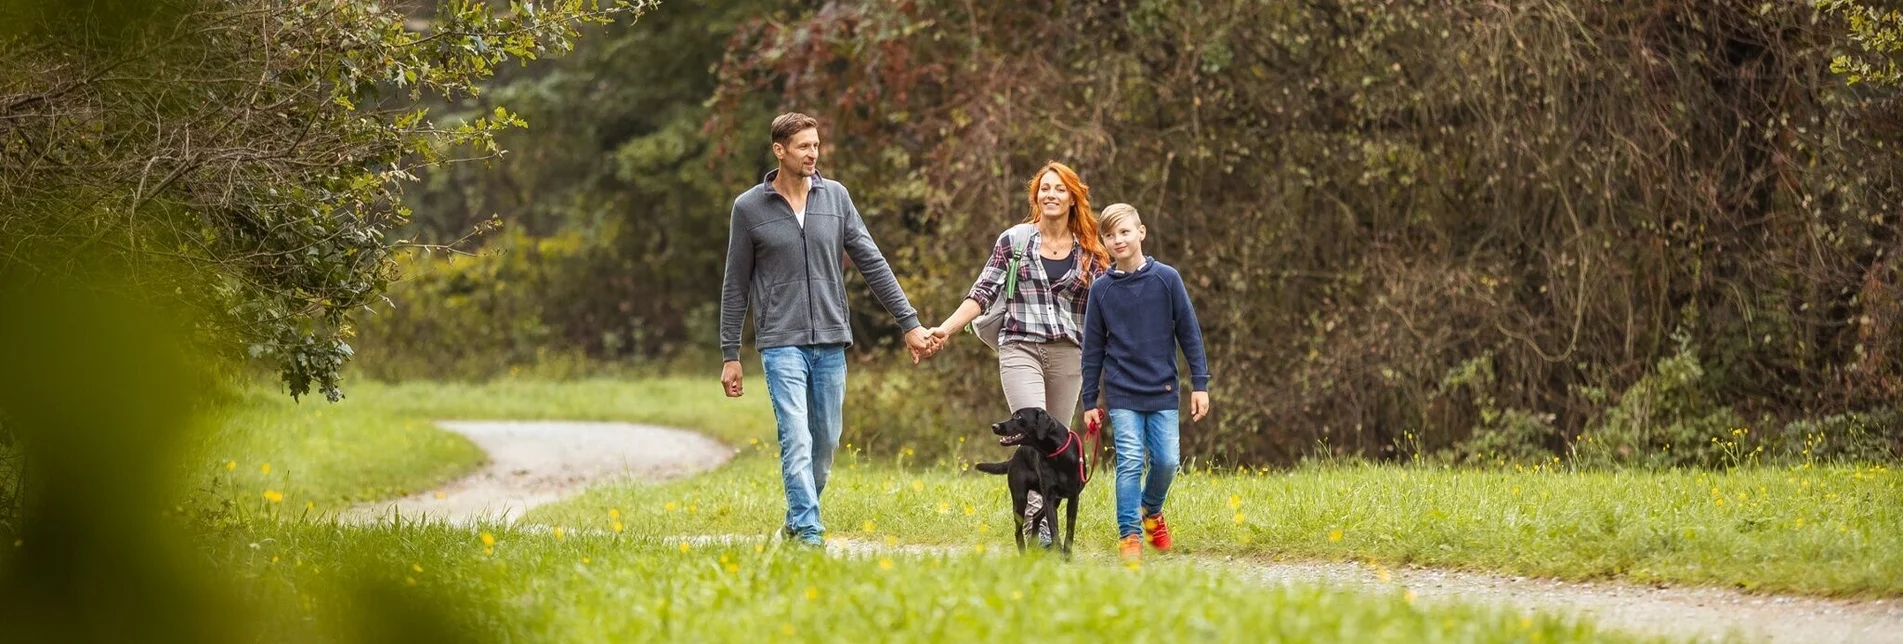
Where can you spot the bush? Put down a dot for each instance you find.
(1667, 418)
(1851, 437)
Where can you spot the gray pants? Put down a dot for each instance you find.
(1048, 375)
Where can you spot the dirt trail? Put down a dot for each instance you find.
(1706, 614)
(537, 462)
(532, 463)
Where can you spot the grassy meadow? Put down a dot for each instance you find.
(565, 572)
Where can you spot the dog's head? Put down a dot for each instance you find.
(1030, 426)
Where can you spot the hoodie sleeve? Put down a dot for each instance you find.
(1189, 333)
(734, 286)
(1095, 335)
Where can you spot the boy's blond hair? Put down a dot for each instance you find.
(1115, 214)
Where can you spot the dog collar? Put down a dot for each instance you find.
(1083, 476)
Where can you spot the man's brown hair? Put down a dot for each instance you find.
(791, 123)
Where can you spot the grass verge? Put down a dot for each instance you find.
(506, 585)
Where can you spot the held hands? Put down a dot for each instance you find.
(1198, 405)
(923, 343)
(730, 378)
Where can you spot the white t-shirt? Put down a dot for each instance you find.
(800, 214)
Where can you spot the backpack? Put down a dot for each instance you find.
(988, 323)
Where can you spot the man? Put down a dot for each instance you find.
(783, 261)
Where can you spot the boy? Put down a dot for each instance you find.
(1136, 320)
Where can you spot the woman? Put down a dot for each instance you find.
(1039, 355)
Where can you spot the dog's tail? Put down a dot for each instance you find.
(993, 468)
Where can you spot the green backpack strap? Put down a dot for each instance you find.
(1018, 242)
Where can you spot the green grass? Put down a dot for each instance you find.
(593, 583)
(633, 587)
(1825, 531)
(1833, 530)
(329, 455)
(317, 580)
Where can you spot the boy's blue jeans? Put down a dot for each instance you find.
(808, 387)
(1135, 433)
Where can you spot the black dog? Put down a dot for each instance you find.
(1047, 468)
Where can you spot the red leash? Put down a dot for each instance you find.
(1083, 476)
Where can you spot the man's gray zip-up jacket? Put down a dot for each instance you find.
(792, 275)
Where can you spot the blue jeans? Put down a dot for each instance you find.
(808, 387)
(1136, 432)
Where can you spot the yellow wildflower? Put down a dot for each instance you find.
(488, 539)
(231, 465)
(1334, 535)
(416, 567)
(1235, 501)
(885, 564)
(265, 468)
(559, 533)
(273, 496)
(685, 547)
(812, 593)
(869, 526)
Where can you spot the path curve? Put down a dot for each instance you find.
(531, 463)
(535, 462)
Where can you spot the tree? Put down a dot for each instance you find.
(245, 158)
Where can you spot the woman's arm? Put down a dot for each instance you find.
(990, 286)
(964, 315)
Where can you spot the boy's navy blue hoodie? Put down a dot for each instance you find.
(1132, 328)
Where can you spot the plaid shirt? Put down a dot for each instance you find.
(1044, 310)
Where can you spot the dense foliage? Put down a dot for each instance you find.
(246, 157)
(1411, 226)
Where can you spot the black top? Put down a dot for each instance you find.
(1056, 268)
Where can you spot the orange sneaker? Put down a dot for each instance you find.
(1158, 531)
(1130, 548)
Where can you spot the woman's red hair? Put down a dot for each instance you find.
(1083, 221)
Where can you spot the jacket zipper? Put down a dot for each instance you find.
(806, 257)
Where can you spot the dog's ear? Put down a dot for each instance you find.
(1047, 426)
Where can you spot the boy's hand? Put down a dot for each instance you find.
(1198, 405)
(1093, 418)
(730, 378)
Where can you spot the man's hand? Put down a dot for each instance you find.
(730, 378)
(921, 343)
(1198, 405)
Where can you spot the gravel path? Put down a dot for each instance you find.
(532, 463)
(1705, 614)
